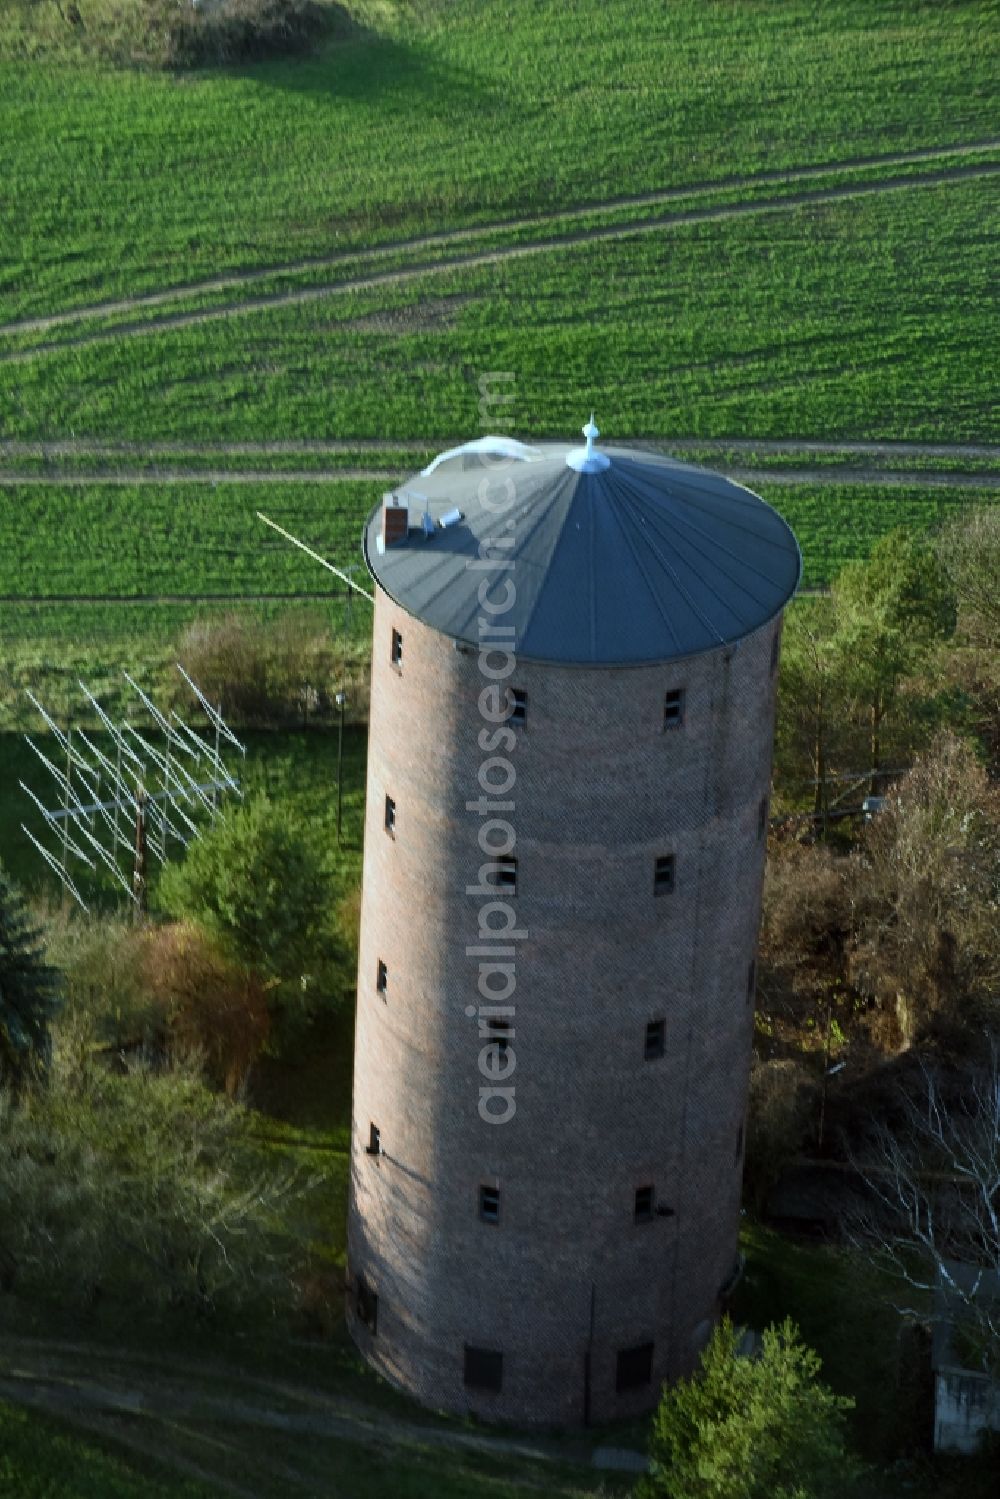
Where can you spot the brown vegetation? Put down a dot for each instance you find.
(176, 33)
(210, 1005)
(263, 672)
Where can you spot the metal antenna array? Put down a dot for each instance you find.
(143, 791)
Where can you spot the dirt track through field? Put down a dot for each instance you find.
(889, 478)
(397, 276)
(146, 1403)
(83, 447)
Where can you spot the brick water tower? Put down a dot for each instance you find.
(572, 709)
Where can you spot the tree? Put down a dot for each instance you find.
(926, 883)
(259, 886)
(890, 611)
(813, 693)
(932, 1214)
(29, 988)
(968, 551)
(761, 1427)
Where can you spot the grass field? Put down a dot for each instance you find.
(856, 318)
(39, 1459)
(767, 222)
(76, 547)
(436, 114)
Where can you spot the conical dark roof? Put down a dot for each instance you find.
(643, 560)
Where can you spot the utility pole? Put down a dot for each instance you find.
(139, 868)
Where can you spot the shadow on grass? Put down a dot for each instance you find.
(387, 73)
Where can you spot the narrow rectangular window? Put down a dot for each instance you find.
(517, 702)
(775, 649)
(489, 1204)
(381, 979)
(635, 1368)
(374, 1146)
(673, 708)
(656, 1039)
(762, 818)
(500, 1034)
(390, 815)
(484, 1369)
(644, 1203)
(504, 875)
(663, 875)
(751, 980)
(396, 649)
(367, 1304)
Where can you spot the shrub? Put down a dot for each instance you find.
(751, 1428)
(259, 672)
(175, 33)
(143, 1188)
(209, 1005)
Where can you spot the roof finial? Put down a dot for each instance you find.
(590, 432)
(588, 460)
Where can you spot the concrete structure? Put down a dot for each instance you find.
(966, 1400)
(543, 1220)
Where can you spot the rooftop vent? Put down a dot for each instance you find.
(450, 518)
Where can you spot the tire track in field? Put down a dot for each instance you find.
(85, 447)
(398, 276)
(890, 478)
(94, 1380)
(479, 231)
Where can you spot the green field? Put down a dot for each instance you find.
(41, 1460)
(436, 114)
(83, 552)
(767, 222)
(857, 319)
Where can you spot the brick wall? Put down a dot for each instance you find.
(602, 789)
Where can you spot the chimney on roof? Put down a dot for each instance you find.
(395, 520)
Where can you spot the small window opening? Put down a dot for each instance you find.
(635, 1368)
(396, 649)
(500, 1034)
(644, 1204)
(504, 875)
(663, 875)
(517, 702)
(367, 1304)
(489, 1204)
(390, 815)
(381, 979)
(374, 1146)
(656, 1039)
(484, 1369)
(673, 708)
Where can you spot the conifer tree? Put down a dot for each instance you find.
(28, 989)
